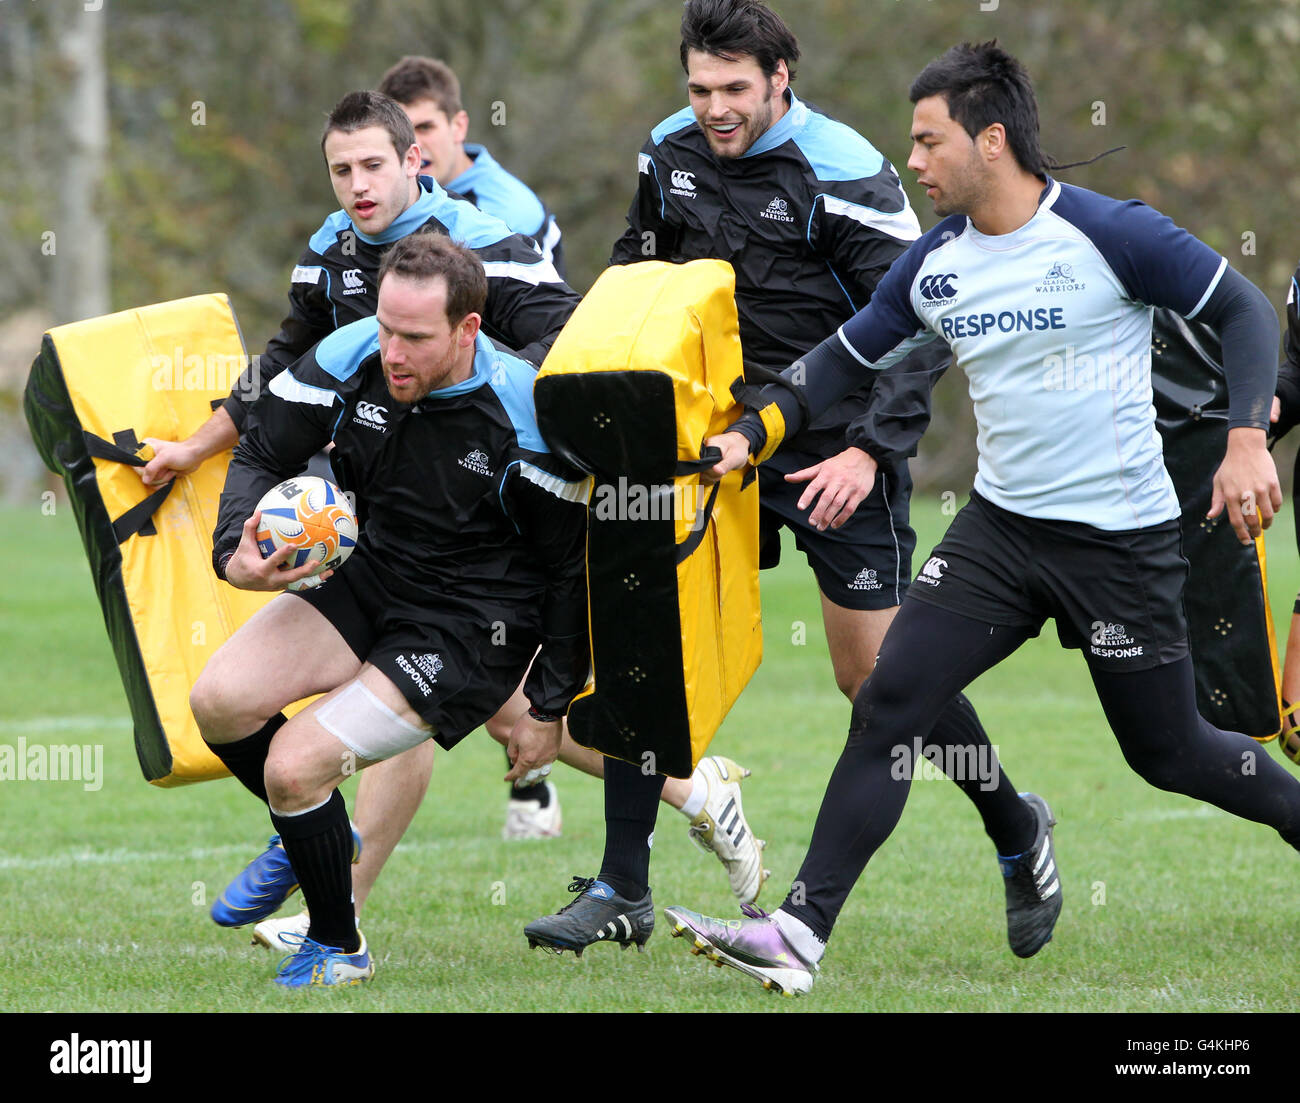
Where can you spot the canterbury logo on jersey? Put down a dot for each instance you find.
(372, 416)
(939, 287)
(932, 573)
(683, 183)
(353, 284)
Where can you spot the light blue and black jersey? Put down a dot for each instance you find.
(459, 496)
(334, 284)
(1052, 325)
(810, 218)
(490, 188)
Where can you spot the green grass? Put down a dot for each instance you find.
(1169, 905)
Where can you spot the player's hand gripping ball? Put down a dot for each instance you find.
(312, 515)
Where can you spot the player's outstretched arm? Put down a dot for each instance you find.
(179, 457)
(247, 570)
(1246, 484)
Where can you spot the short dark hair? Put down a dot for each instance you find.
(423, 78)
(730, 29)
(983, 84)
(426, 255)
(358, 110)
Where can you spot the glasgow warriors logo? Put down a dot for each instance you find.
(939, 288)
(1060, 277)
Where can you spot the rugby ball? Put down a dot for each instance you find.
(312, 515)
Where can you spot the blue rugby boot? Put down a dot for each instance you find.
(263, 886)
(317, 966)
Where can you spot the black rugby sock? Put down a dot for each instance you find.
(319, 845)
(631, 808)
(246, 758)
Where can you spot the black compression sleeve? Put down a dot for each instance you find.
(820, 377)
(1247, 327)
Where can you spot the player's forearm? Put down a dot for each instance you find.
(245, 485)
(809, 387)
(564, 662)
(1247, 327)
(558, 674)
(304, 327)
(215, 435)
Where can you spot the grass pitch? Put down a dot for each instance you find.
(1169, 904)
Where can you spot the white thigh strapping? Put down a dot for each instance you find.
(367, 726)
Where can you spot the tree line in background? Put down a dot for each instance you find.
(212, 177)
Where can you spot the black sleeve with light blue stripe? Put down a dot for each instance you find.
(289, 424)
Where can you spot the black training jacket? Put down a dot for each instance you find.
(459, 496)
(333, 284)
(1288, 372)
(810, 218)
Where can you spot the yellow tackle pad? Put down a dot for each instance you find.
(96, 390)
(639, 378)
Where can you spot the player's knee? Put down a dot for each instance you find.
(885, 709)
(499, 729)
(209, 704)
(1157, 766)
(868, 716)
(850, 682)
(1158, 774)
(287, 788)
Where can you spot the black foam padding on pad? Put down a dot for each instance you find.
(622, 425)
